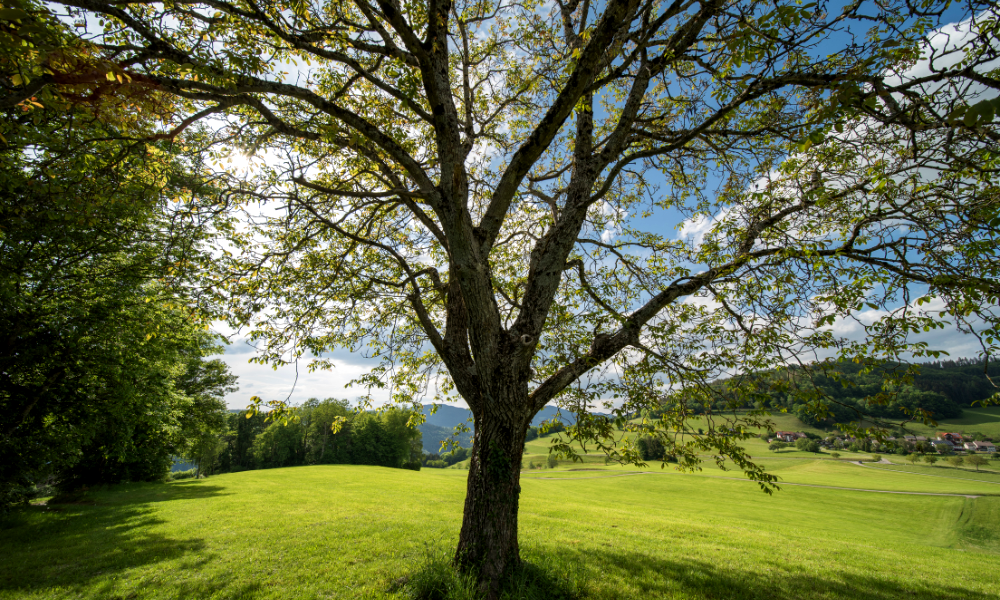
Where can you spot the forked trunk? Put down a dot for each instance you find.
(487, 544)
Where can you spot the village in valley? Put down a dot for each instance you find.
(944, 443)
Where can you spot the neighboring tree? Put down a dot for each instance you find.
(239, 434)
(206, 383)
(141, 416)
(476, 191)
(91, 305)
(930, 459)
(777, 446)
(280, 445)
(913, 458)
(977, 461)
(325, 445)
(551, 461)
(205, 451)
(956, 461)
(835, 455)
(650, 448)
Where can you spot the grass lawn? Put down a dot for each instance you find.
(986, 474)
(350, 532)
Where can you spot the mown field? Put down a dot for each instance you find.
(358, 532)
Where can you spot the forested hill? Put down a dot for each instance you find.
(943, 388)
(963, 381)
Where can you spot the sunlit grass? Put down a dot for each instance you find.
(357, 532)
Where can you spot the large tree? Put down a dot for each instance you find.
(481, 193)
(102, 375)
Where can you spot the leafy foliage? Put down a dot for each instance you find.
(473, 192)
(101, 373)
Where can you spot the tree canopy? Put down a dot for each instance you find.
(102, 377)
(479, 193)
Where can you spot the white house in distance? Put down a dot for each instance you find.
(980, 447)
(788, 436)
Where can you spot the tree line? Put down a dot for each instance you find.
(850, 391)
(939, 389)
(318, 432)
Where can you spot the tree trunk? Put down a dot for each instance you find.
(487, 545)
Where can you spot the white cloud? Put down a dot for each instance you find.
(695, 228)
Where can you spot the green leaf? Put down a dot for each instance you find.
(13, 14)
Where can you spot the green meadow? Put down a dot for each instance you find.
(360, 532)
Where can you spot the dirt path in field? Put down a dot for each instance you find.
(811, 485)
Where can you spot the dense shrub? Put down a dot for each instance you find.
(650, 448)
(183, 474)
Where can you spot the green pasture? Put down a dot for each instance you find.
(990, 473)
(358, 532)
(814, 472)
(973, 420)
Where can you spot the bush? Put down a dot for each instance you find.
(190, 473)
(650, 448)
(435, 464)
(413, 465)
(835, 455)
(552, 461)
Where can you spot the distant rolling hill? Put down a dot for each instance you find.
(439, 426)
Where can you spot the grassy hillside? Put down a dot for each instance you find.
(351, 532)
(973, 419)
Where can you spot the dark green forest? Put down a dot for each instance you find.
(840, 392)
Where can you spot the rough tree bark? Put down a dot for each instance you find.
(487, 543)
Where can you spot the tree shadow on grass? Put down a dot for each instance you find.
(658, 577)
(81, 546)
